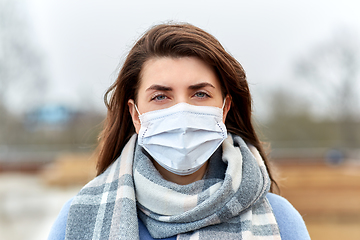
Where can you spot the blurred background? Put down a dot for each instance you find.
(57, 58)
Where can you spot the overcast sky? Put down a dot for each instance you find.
(84, 41)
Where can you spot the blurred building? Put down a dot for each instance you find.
(48, 117)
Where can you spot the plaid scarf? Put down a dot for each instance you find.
(229, 203)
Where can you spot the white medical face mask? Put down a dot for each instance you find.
(182, 138)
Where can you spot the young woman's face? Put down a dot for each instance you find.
(167, 81)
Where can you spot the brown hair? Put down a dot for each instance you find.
(175, 40)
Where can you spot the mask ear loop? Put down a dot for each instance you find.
(137, 110)
(222, 108)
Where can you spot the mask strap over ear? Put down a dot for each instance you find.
(137, 109)
(222, 105)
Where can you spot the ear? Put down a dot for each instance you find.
(134, 115)
(227, 106)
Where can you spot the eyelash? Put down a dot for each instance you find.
(154, 98)
(158, 95)
(206, 95)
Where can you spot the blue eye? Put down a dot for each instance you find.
(159, 97)
(201, 95)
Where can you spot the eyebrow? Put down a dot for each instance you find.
(159, 88)
(200, 85)
(167, 89)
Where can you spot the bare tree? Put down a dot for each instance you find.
(21, 66)
(22, 75)
(332, 71)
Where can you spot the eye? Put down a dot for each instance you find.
(201, 95)
(159, 97)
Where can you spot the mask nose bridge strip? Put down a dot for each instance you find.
(222, 108)
(137, 110)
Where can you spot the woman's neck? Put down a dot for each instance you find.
(179, 179)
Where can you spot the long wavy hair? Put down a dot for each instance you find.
(175, 41)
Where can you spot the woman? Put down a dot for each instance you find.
(179, 157)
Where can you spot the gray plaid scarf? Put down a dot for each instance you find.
(229, 203)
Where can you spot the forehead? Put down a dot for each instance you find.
(177, 71)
